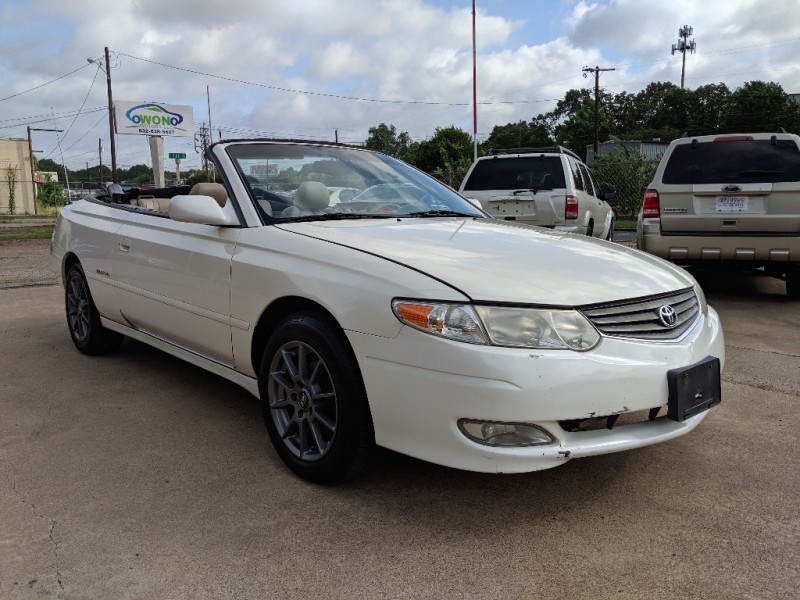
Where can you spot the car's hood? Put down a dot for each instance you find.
(497, 261)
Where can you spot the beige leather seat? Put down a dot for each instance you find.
(312, 197)
(215, 190)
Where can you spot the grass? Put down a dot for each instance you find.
(26, 233)
(45, 212)
(623, 224)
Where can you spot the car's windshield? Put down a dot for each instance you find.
(294, 181)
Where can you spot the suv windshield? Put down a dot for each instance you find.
(308, 182)
(517, 173)
(739, 161)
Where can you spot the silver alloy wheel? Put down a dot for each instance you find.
(302, 401)
(78, 309)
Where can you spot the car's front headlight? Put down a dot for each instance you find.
(511, 327)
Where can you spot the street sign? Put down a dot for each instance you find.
(180, 155)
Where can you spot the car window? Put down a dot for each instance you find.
(739, 161)
(588, 183)
(576, 173)
(517, 173)
(309, 182)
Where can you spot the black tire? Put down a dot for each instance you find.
(590, 229)
(315, 405)
(793, 281)
(83, 320)
(610, 235)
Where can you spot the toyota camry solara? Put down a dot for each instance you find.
(402, 316)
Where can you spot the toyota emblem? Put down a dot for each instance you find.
(668, 316)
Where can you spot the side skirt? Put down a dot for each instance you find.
(248, 383)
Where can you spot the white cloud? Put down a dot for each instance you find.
(391, 50)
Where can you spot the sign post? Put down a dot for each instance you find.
(154, 120)
(177, 156)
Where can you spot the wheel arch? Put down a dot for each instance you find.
(278, 310)
(70, 259)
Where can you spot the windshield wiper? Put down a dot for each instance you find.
(438, 213)
(335, 217)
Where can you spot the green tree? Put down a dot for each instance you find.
(524, 134)
(51, 193)
(577, 131)
(10, 173)
(384, 138)
(760, 106)
(448, 154)
(626, 172)
(706, 108)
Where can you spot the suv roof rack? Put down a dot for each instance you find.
(543, 149)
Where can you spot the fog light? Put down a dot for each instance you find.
(490, 433)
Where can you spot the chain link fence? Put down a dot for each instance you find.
(628, 178)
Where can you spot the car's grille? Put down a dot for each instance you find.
(646, 318)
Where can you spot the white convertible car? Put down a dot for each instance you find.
(403, 317)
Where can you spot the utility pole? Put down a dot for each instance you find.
(110, 116)
(596, 70)
(100, 164)
(204, 145)
(682, 46)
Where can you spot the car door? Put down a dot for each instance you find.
(176, 279)
(600, 208)
(94, 230)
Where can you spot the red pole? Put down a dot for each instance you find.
(474, 88)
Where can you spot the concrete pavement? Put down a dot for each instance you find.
(139, 476)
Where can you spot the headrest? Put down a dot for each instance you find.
(215, 190)
(312, 195)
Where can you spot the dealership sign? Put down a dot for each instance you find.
(151, 118)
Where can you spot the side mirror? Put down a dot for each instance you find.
(608, 194)
(203, 210)
(476, 203)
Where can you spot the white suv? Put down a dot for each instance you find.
(727, 199)
(549, 187)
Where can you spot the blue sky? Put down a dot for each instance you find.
(275, 67)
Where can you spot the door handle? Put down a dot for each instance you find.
(124, 245)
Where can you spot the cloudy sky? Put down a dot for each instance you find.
(306, 68)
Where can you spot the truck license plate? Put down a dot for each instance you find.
(731, 203)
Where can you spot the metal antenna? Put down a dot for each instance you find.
(682, 46)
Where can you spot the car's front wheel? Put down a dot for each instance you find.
(315, 404)
(83, 320)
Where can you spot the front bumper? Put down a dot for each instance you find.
(419, 386)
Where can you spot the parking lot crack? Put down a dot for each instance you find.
(776, 352)
(55, 544)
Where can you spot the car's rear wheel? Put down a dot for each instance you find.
(83, 320)
(793, 280)
(315, 404)
(590, 229)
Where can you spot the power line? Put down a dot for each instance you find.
(325, 94)
(85, 98)
(44, 84)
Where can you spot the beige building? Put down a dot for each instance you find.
(15, 161)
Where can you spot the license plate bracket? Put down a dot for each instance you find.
(693, 389)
